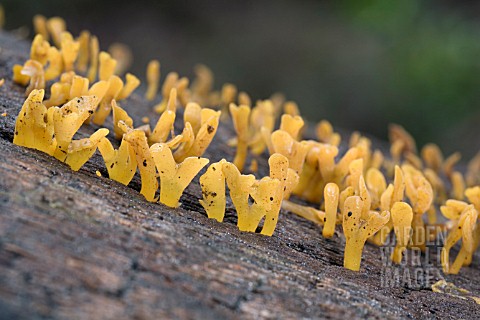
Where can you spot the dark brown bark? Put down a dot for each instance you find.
(74, 245)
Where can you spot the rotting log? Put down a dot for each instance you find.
(77, 246)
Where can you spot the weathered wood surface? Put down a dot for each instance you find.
(77, 246)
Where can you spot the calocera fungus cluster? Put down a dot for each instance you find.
(351, 189)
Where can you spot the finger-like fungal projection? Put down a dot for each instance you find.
(331, 204)
(174, 178)
(213, 191)
(464, 229)
(153, 79)
(357, 229)
(401, 215)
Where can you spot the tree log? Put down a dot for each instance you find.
(77, 246)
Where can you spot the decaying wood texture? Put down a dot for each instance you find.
(77, 246)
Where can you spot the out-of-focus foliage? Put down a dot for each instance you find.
(433, 63)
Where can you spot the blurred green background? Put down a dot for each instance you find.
(359, 64)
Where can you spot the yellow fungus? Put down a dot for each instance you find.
(131, 83)
(453, 209)
(354, 139)
(438, 186)
(203, 84)
(4, 114)
(463, 228)
(18, 77)
(291, 108)
(106, 67)
(450, 162)
(40, 26)
(163, 127)
(146, 165)
(123, 55)
(433, 157)
(168, 86)
(56, 26)
(55, 64)
(183, 92)
(279, 171)
(401, 216)
(347, 192)
(244, 99)
(396, 150)
(450, 289)
(193, 115)
(306, 212)
(174, 178)
(153, 79)
(420, 193)
(254, 166)
(262, 120)
(414, 160)
(120, 115)
(267, 195)
(204, 137)
(240, 186)
(98, 173)
(34, 125)
(325, 133)
(213, 191)
(326, 161)
(472, 175)
(59, 94)
(103, 110)
(79, 87)
(365, 196)
(398, 133)
(399, 186)
(34, 70)
(68, 119)
(39, 49)
(341, 169)
(228, 95)
(292, 124)
(295, 152)
(458, 185)
(186, 142)
(2, 82)
(377, 160)
(310, 179)
(392, 194)
(69, 49)
(331, 196)
(121, 164)
(83, 51)
(99, 89)
(473, 195)
(355, 169)
(240, 117)
(357, 229)
(79, 151)
(94, 53)
(377, 184)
